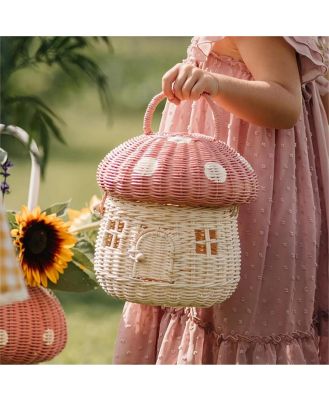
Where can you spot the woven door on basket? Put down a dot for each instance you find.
(33, 330)
(169, 232)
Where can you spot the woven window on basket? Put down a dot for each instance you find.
(113, 234)
(206, 241)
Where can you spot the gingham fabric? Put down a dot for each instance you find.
(12, 285)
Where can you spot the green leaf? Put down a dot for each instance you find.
(57, 208)
(11, 219)
(86, 247)
(74, 279)
(33, 101)
(81, 258)
(22, 105)
(49, 121)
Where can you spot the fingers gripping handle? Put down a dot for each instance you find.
(148, 117)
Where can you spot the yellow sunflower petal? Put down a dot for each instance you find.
(66, 254)
(24, 212)
(62, 262)
(67, 242)
(14, 232)
(51, 275)
(60, 268)
(44, 279)
(28, 276)
(36, 276)
(36, 212)
(21, 253)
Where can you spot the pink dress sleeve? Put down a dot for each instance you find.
(204, 43)
(311, 61)
(200, 48)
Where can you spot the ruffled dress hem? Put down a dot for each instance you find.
(185, 339)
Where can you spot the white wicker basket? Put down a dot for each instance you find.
(168, 255)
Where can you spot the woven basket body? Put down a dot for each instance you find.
(168, 255)
(169, 231)
(32, 331)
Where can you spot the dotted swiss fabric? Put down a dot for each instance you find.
(279, 312)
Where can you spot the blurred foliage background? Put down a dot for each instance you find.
(133, 67)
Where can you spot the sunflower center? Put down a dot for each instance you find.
(36, 240)
(40, 243)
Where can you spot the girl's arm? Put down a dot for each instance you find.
(272, 100)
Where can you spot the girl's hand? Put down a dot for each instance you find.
(188, 82)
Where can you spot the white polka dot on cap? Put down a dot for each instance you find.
(179, 139)
(146, 166)
(215, 172)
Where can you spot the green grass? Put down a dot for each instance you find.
(134, 70)
(92, 320)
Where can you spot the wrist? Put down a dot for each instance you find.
(216, 86)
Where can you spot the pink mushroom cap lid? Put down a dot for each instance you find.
(179, 168)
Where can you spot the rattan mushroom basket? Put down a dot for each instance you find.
(169, 233)
(34, 330)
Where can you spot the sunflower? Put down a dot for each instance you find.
(44, 244)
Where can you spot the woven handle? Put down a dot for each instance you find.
(23, 137)
(148, 117)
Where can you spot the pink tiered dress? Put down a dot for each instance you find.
(279, 312)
